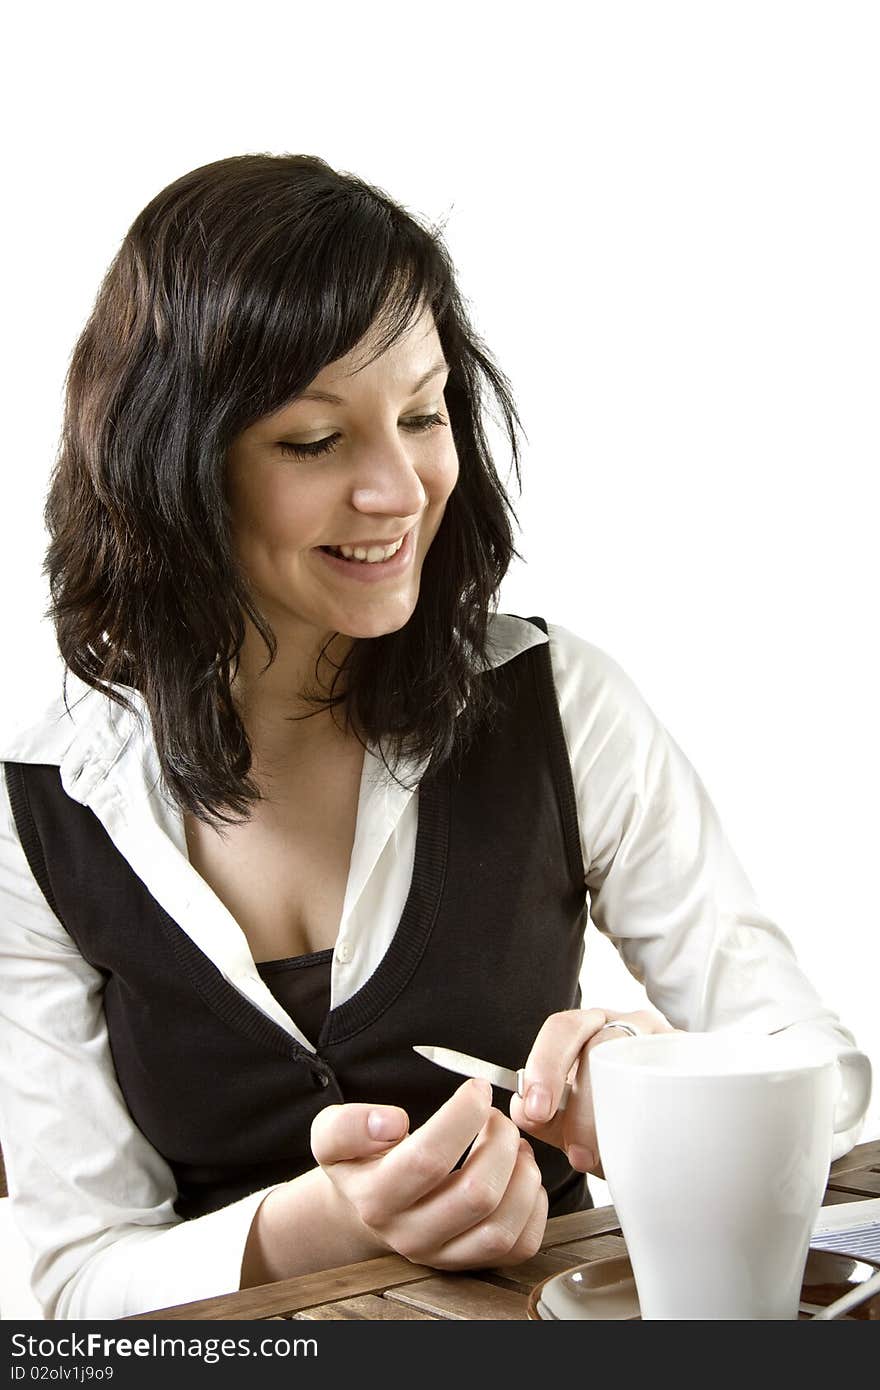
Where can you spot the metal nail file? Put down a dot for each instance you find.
(464, 1065)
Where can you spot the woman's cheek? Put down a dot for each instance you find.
(447, 474)
(439, 485)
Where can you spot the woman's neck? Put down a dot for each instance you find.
(271, 701)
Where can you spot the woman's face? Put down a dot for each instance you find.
(375, 469)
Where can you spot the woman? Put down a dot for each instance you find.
(316, 802)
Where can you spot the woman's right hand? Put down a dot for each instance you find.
(406, 1189)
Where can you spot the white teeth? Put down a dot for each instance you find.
(374, 555)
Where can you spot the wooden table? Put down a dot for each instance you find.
(393, 1288)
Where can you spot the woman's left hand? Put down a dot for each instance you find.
(560, 1053)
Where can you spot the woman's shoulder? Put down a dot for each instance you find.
(600, 704)
(574, 658)
(77, 720)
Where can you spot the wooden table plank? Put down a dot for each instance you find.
(596, 1248)
(833, 1198)
(554, 1260)
(862, 1156)
(368, 1308)
(462, 1298)
(523, 1277)
(863, 1182)
(292, 1295)
(579, 1224)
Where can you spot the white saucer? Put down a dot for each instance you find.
(604, 1289)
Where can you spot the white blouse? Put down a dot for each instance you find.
(94, 1200)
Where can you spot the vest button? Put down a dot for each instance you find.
(321, 1078)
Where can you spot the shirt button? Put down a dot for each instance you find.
(321, 1079)
(344, 952)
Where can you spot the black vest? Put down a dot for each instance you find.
(489, 944)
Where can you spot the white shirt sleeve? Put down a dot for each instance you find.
(665, 886)
(92, 1198)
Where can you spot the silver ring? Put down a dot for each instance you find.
(627, 1027)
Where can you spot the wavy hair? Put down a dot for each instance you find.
(233, 288)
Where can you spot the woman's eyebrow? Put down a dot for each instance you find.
(338, 400)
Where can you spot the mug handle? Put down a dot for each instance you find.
(854, 1088)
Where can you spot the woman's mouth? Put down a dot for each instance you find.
(366, 555)
(369, 563)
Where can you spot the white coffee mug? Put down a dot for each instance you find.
(716, 1149)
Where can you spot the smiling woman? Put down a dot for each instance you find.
(317, 802)
(246, 295)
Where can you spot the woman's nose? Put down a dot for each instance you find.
(388, 482)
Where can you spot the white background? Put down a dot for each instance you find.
(666, 219)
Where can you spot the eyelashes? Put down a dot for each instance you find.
(418, 424)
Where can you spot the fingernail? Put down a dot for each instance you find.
(381, 1124)
(581, 1158)
(484, 1089)
(538, 1103)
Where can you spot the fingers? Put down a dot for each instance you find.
(410, 1169)
(574, 1130)
(579, 1123)
(418, 1165)
(554, 1053)
(466, 1196)
(645, 1021)
(491, 1210)
(344, 1132)
(512, 1230)
(561, 1050)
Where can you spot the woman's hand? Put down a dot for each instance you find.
(561, 1052)
(407, 1192)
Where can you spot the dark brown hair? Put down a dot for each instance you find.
(231, 291)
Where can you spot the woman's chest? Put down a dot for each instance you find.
(283, 874)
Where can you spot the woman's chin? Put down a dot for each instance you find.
(378, 627)
(379, 620)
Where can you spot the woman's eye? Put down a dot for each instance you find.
(310, 451)
(417, 424)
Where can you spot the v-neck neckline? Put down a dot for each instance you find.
(416, 921)
(393, 971)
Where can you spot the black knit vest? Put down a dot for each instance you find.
(489, 944)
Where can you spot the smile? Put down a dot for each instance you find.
(366, 555)
(369, 563)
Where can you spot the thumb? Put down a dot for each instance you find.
(343, 1132)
